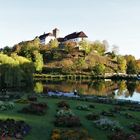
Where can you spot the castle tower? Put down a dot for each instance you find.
(56, 32)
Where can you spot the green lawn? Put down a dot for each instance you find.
(43, 125)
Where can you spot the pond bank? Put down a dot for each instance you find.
(97, 99)
(85, 77)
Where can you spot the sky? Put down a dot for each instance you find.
(117, 21)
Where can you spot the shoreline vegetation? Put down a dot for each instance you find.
(68, 60)
(85, 77)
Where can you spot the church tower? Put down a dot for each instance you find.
(56, 32)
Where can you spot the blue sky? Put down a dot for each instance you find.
(117, 21)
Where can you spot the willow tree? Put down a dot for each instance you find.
(15, 71)
(26, 66)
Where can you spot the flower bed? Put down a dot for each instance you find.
(13, 129)
(32, 98)
(66, 118)
(83, 107)
(67, 121)
(35, 108)
(122, 136)
(135, 127)
(128, 116)
(92, 116)
(91, 106)
(8, 96)
(6, 105)
(117, 109)
(65, 112)
(107, 124)
(134, 107)
(108, 114)
(22, 101)
(62, 104)
(71, 134)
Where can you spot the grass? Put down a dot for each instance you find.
(43, 125)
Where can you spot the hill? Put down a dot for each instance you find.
(69, 57)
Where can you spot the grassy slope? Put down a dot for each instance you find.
(90, 60)
(42, 125)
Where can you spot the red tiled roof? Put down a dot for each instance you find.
(68, 37)
(75, 35)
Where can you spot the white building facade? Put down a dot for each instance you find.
(46, 38)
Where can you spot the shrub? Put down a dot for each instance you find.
(123, 136)
(71, 134)
(67, 121)
(118, 109)
(129, 116)
(64, 112)
(8, 96)
(14, 129)
(32, 98)
(91, 106)
(65, 117)
(83, 107)
(135, 127)
(22, 101)
(134, 108)
(62, 104)
(92, 116)
(6, 105)
(107, 124)
(109, 114)
(35, 108)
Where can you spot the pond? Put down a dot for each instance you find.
(128, 90)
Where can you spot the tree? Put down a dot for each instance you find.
(99, 47)
(27, 48)
(99, 69)
(132, 67)
(121, 63)
(14, 70)
(85, 45)
(79, 63)
(53, 43)
(38, 61)
(129, 58)
(7, 50)
(69, 46)
(138, 64)
(31, 50)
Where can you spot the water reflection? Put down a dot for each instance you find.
(38, 87)
(112, 89)
(129, 90)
